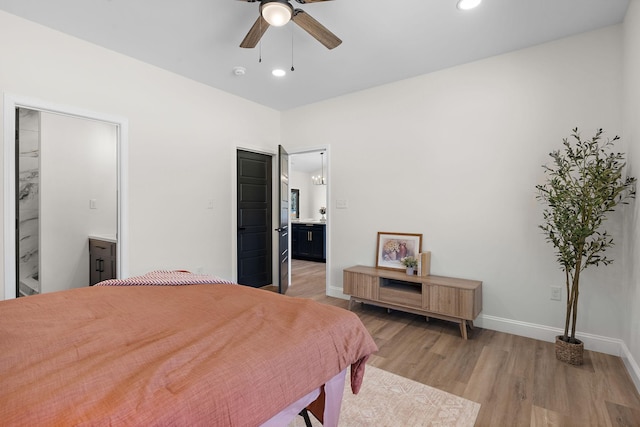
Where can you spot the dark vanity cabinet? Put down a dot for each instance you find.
(308, 241)
(102, 256)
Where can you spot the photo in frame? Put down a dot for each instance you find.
(392, 247)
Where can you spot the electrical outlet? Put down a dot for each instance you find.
(556, 293)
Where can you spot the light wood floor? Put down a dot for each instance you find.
(517, 380)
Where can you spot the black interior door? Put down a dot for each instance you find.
(254, 219)
(283, 226)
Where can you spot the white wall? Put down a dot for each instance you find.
(301, 181)
(632, 139)
(455, 155)
(312, 197)
(78, 164)
(182, 140)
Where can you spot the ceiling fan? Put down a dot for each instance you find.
(278, 13)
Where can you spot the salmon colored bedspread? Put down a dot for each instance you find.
(208, 355)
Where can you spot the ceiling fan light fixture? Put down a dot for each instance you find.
(468, 4)
(276, 13)
(279, 72)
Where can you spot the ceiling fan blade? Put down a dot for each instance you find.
(310, 1)
(315, 29)
(255, 33)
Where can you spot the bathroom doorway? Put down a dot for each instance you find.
(65, 174)
(310, 219)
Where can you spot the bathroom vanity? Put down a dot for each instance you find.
(102, 256)
(308, 240)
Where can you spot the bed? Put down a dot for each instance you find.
(172, 348)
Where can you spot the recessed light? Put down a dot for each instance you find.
(468, 4)
(278, 72)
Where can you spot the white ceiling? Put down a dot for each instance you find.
(382, 41)
(309, 162)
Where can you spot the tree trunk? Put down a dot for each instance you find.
(575, 291)
(569, 305)
(574, 310)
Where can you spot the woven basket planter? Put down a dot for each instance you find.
(571, 353)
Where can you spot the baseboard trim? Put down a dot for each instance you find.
(632, 365)
(547, 333)
(336, 292)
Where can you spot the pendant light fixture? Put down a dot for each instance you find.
(319, 180)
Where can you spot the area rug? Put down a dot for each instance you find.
(389, 400)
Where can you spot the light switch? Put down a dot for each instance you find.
(92, 204)
(341, 204)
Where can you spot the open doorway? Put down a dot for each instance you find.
(66, 175)
(310, 222)
(65, 116)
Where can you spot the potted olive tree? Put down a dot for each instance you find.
(583, 184)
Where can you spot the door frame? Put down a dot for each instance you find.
(11, 102)
(327, 149)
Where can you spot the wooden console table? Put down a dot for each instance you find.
(446, 298)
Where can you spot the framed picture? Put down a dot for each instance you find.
(392, 247)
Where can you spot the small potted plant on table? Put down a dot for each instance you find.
(410, 262)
